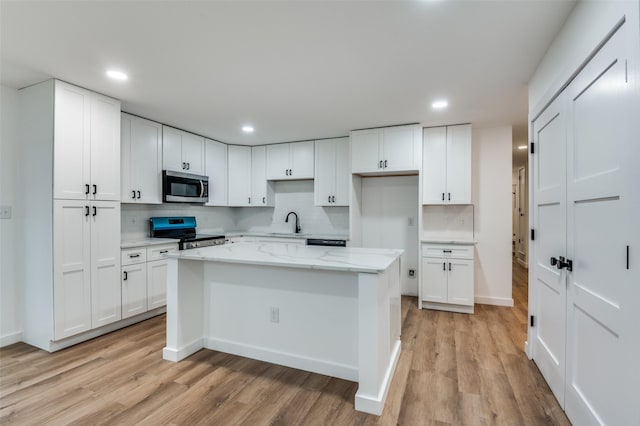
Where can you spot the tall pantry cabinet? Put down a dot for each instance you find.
(69, 212)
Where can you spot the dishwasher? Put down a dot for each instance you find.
(326, 242)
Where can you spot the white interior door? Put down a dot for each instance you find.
(549, 223)
(602, 208)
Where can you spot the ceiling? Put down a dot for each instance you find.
(294, 70)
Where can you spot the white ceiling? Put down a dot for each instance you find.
(294, 70)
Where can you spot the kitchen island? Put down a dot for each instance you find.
(328, 310)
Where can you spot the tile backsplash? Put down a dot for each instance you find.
(289, 196)
(448, 222)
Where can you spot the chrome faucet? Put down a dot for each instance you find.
(297, 220)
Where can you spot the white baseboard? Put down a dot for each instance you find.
(497, 301)
(375, 405)
(314, 365)
(176, 355)
(10, 339)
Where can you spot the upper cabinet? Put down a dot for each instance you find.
(261, 189)
(86, 145)
(182, 151)
(446, 167)
(141, 160)
(332, 172)
(239, 172)
(290, 161)
(386, 150)
(215, 165)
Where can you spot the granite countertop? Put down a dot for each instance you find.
(286, 235)
(145, 242)
(449, 241)
(296, 256)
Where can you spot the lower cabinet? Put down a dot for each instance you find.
(144, 278)
(447, 277)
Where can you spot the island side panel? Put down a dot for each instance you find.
(314, 327)
(378, 336)
(185, 308)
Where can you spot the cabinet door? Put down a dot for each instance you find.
(365, 148)
(434, 155)
(459, 164)
(127, 170)
(71, 147)
(260, 189)
(156, 284)
(147, 161)
(399, 148)
(434, 279)
(193, 153)
(460, 286)
(301, 160)
(105, 263)
(105, 148)
(172, 149)
(343, 173)
(324, 184)
(239, 175)
(134, 290)
(71, 268)
(278, 161)
(215, 167)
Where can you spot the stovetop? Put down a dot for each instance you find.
(183, 228)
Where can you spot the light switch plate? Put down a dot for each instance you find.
(5, 212)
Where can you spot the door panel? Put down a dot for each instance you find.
(106, 292)
(105, 147)
(365, 150)
(71, 142)
(604, 296)
(278, 161)
(434, 280)
(434, 160)
(71, 268)
(147, 160)
(398, 148)
(157, 284)
(459, 164)
(239, 175)
(134, 290)
(216, 168)
(325, 181)
(460, 282)
(549, 221)
(172, 149)
(302, 160)
(193, 153)
(343, 172)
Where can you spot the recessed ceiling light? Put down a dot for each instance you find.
(117, 75)
(522, 147)
(247, 129)
(439, 104)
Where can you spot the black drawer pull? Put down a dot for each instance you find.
(164, 251)
(134, 255)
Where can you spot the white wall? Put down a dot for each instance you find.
(491, 180)
(585, 28)
(294, 196)
(10, 291)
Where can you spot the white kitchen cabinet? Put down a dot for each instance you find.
(286, 161)
(86, 265)
(156, 284)
(332, 172)
(215, 165)
(447, 277)
(446, 168)
(386, 150)
(239, 162)
(86, 148)
(71, 268)
(182, 151)
(261, 189)
(141, 160)
(134, 289)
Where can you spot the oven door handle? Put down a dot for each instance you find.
(201, 189)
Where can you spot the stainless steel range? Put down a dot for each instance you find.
(184, 229)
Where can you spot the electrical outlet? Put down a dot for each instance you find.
(275, 315)
(412, 273)
(410, 221)
(5, 212)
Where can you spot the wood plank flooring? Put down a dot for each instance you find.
(455, 369)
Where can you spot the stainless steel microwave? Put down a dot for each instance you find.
(178, 187)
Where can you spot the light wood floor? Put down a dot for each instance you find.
(454, 369)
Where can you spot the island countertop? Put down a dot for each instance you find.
(350, 259)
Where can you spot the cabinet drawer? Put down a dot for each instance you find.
(160, 252)
(133, 256)
(454, 251)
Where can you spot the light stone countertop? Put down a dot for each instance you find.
(286, 235)
(447, 241)
(146, 242)
(349, 259)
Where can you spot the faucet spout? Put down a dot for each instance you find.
(286, 219)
